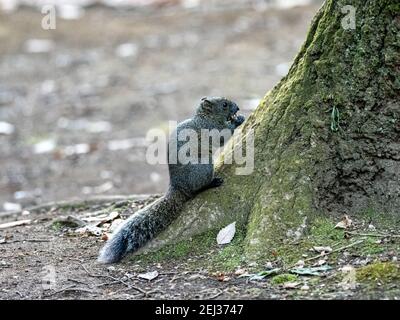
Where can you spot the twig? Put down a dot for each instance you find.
(15, 223)
(69, 289)
(77, 281)
(26, 240)
(216, 295)
(115, 279)
(107, 283)
(329, 253)
(379, 235)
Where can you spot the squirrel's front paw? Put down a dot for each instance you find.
(239, 120)
(216, 182)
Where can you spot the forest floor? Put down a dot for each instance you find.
(52, 255)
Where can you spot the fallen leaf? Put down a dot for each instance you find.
(263, 274)
(290, 285)
(104, 237)
(90, 230)
(239, 272)
(148, 275)
(322, 249)
(312, 271)
(321, 262)
(226, 234)
(102, 219)
(345, 223)
(222, 277)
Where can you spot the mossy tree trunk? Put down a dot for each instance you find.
(303, 168)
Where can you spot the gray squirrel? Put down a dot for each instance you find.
(186, 180)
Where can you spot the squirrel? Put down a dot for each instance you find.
(186, 180)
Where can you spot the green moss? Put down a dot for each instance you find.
(324, 231)
(57, 226)
(230, 256)
(182, 249)
(383, 272)
(222, 258)
(371, 247)
(379, 219)
(283, 278)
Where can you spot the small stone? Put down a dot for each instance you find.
(11, 206)
(300, 263)
(6, 128)
(240, 271)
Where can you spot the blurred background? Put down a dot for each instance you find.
(76, 102)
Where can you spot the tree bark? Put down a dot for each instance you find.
(308, 161)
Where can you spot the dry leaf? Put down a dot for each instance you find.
(114, 225)
(322, 249)
(239, 272)
(148, 275)
(104, 237)
(321, 262)
(90, 230)
(290, 285)
(345, 223)
(222, 277)
(226, 234)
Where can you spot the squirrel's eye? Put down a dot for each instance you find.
(225, 104)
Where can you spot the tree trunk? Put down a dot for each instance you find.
(308, 161)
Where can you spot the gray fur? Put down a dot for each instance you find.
(186, 180)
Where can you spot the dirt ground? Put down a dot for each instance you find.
(45, 259)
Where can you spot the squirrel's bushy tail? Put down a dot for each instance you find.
(142, 226)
